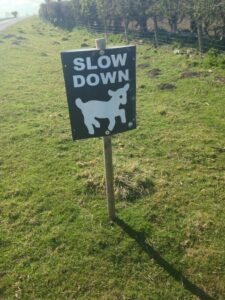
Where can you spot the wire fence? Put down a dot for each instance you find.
(182, 38)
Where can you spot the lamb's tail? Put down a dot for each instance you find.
(79, 103)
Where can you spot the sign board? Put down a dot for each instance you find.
(101, 90)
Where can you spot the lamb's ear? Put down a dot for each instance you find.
(126, 87)
(110, 93)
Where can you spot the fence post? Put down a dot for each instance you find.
(200, 42)
(156, 31)
(101, 45)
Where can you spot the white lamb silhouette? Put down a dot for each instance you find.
(104, 109)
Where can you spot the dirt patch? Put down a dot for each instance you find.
(84, 45)
(16, 43)
(154, 72)
(9, 36)
(220, 150)
(166, 86)
(21, 38)
(43, 54)
(131, 189)
(220, 79)
(21, 31)
(189, 74)
(56, 43)
(193, 64)
(143, 66)
(163, 113)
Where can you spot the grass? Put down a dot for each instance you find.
(56, 241)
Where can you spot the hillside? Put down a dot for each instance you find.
(56, 241)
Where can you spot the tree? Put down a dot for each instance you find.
(125, 10)
(217, 24)
(154, 11)
(105, 13)
(88, 12)
(43, 12)
(201, 13)
(206, 17)
(174, 11)
(141, 13)
(14, 13)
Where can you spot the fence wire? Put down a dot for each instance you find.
(178, 39)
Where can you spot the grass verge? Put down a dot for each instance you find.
(56, 241)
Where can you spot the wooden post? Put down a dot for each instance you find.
(109, 176)
(101, 45)
(156, 31)
(200, 41)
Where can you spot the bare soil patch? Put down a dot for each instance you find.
(21, 38)
(143, 66)
(190, 74)
(16, 43)
(43, 54)
(220, 79)
(56, 43)
(84, 45)
(8, 36)
(166, 86)
(154, 72)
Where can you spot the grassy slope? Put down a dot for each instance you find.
(55, 239)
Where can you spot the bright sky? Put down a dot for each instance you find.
(24, 7)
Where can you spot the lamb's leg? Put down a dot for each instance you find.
(112, 123)
(122, 115)
(90, 127)
(96, 123)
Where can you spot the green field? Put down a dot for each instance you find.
(56, 241)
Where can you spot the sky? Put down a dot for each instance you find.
(24, 7)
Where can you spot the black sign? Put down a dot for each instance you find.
(101, 90)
